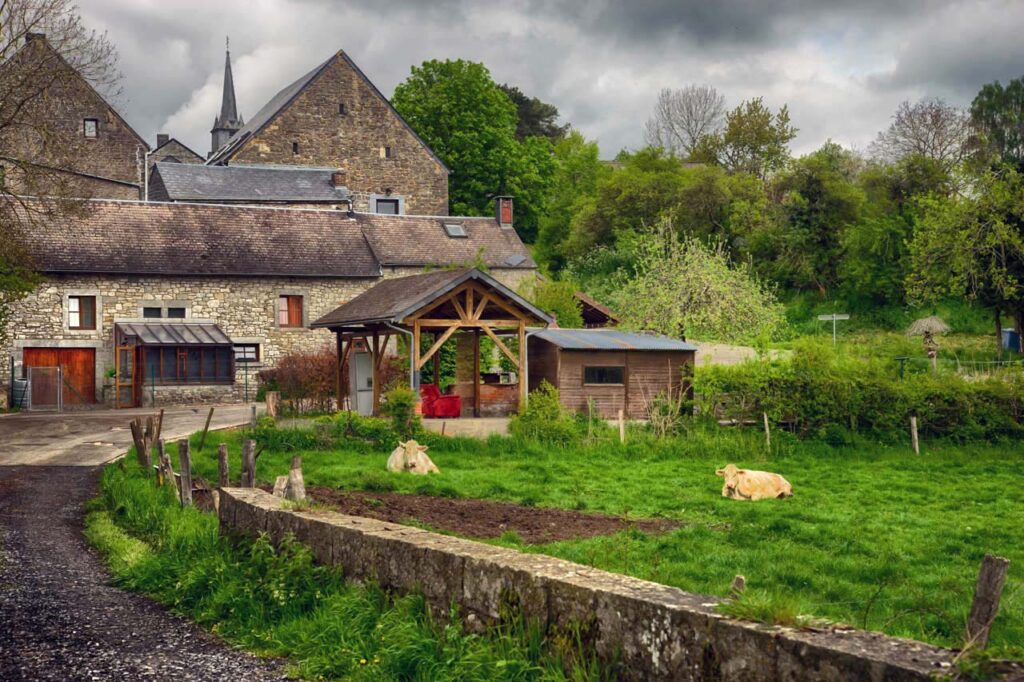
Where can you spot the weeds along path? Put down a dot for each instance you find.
(60, 619)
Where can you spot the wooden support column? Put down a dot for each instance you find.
(476, 372)
(437, 370)
(375, 368)
(523, 380)
(415, 350)
(340, 349)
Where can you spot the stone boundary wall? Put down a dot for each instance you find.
(654, 631)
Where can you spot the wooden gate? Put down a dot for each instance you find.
(79, 371)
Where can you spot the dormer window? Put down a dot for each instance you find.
(91, 128)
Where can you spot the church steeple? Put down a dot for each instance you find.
(228, 122)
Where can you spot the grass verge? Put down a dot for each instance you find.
(277, 602)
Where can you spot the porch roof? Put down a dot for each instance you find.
(393, 300)
(174, 333)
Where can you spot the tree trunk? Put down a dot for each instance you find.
(1019, 319)
(999, 334)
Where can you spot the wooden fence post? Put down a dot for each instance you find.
(767, 431)
(185, 462)
(622, 426)
(296, 488)
(202, 439)
(985, 607)
(163, 464)
(248, 464)
(913, 436)
(223, 480)
(739, 583)
(252, 417)
(273, 399)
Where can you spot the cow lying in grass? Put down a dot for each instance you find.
(745, 484)
(412, 457)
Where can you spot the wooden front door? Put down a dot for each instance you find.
(78, 367)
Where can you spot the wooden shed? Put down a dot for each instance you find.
(615, 369)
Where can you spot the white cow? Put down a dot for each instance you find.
(746, 484)
(412, 457)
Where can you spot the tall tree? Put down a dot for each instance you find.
(470, 123)
(973, 246)
(754, 140)
(928, 128)
(535, 117)
(682, 117)
(30, 155)
(997, 113)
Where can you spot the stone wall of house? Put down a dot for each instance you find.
(354, 141)
(245, 308)
(174, 152)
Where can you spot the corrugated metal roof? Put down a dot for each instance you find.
(175, 333)
(610, 339)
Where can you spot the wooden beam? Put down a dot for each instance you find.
(522, 379)
(438, 322)
(340, 350)
(415, 350)
(476, 372)
(460, 309)
(501, 345)
(480, 308)
(437, 370)
(505, 306)
(433, 305)
(469, 303)
(383, 349)
(436, 347)
(375, 371)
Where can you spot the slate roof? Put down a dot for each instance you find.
(392, 300)
(196, 182)
(134, 237)
(140, 238)
(286, 96)
(421, 241)
(610, 339)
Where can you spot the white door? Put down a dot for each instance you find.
(361, 383)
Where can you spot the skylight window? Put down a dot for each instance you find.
(455, 230)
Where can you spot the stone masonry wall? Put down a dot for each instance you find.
(352, 141)
(654, 631)
(245, 308)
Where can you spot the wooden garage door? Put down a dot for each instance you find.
(79, 366)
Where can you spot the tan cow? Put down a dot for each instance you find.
(412, 457)
(745, 484)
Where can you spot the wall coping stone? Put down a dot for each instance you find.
(653, 630)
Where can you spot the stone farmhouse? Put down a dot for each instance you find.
(174, 280)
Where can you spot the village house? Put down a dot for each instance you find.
(88, 149)
(183, 302)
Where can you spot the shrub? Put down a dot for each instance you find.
(306, 380)
(544, 420)
(400, 405)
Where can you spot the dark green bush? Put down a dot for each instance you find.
(400, 406)
(817, 392)
(544, 420)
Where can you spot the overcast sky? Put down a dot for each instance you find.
(842, 66)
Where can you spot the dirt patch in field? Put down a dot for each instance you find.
(483, 518)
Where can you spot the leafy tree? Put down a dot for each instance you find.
(558, 298)
(820, 200)
(682, 117)
(930, 129)
(973, 246)
(685, 288)
(470, 123)
(997, 113)
(754, 140)
(534, 117)
(577, 169)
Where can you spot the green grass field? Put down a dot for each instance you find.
(874, 537)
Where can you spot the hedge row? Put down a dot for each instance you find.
(816, 393)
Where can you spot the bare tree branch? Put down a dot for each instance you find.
(929, 128)
(681, 117)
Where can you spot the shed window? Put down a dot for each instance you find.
(81, 312)
(604, 375)
(387, 206)
(289, 310)
(188, 365)
(247, 352)
(91, 127)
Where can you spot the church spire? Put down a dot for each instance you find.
(228, 122)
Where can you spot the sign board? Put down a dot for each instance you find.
(833, 317)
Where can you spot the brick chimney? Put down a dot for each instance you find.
(503, 211)
(161, 139)
(339, 178)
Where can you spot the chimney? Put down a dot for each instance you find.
(339, 178)
(161, 139)
(503, 211)
(29, 37)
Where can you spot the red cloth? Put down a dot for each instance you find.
(439, 406)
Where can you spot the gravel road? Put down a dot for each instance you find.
(60, 619)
